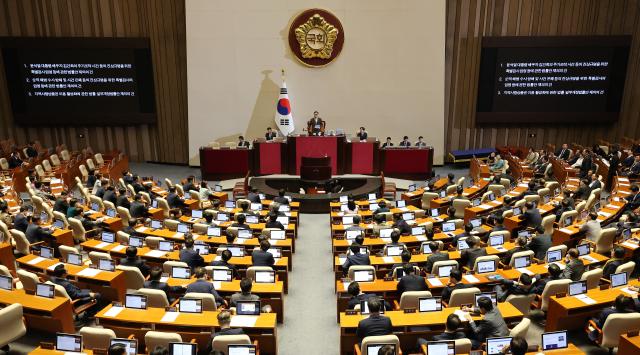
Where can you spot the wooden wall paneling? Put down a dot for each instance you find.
(163, 22)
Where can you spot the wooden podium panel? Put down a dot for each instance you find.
(313, 146)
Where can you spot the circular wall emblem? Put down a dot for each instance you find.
(316, 37)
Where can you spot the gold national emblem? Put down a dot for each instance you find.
(316, 37)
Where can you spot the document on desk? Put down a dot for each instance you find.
(388, 259)
(500, 248)
(604, 214)
(73, 353)
(386, 240)
(403, 209)
(524, 270)
(169, 317)
(461, 314)
(630, 245)
(119, 248)
(341, 260)
(435, 282)
(102, 245)
(243, 321)
(89, 272)
(485, 207)
(54, 266)
(113, 311)
(589, 258)
(164, 279)
(421, 238)
(566, 230)
(471, 278)
(35, 260)
(612, 207)
(178, 235)
(141, 229)
(239, 241)
(345, 285)
(586, 299)
(155, 253)
(629, 291)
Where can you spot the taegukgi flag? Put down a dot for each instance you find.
(283, 117)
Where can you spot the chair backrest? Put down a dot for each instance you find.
(22, 243)
(604, 242)
(97, 200)
(171, 224)
(547, 223)
(532, 198)
(520, 330)
(560, 247)
(109, 205)
(133, 278)
(96, 338)
(4, 271)
(179, 190)
(506, 234)
(131, 189)
(496, 189)
(4, 164)
(551, 289)
(451, 189)
(83, 171)
(626, 267)
(99, 159)
(462, 296)
(409, 299)
(460, 205)
(460, 181)
(484, 258)
(592, 277)
(426, 199)
(153, 339)
(124, 214)
(208, 301)
(55, 161)
(78, 230)
(521, 302)
(122, 238)
(164, 206)
(617, 324)
(521, 254)
(520, 203)
(222, 342)
(28, 279)
(12, 323)
(564, 215)
(153, 242)
(155, 298)
(544, 192)
(65, 251)
(169, 264)
(463, 346)
(379, 339)
(95, 256)
(251, 270)
(5, 235)
(438, 264)
(62, 217)
(40, 171)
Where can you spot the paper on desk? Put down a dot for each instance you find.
(54, 266)
(524, 270)
(155, 253)
(435, 282)
(388, 259)
(217, 284)
(73, 353)
(610, 206)
(386, 240)
(164, 279)
(89, 272)
(217, 258)
(141, 229)
(239, 241)
(113, 311)
(523, 185)
(169, 317)
(403, 209)
(35, 260)
(345, 285)
(118, 248)
(471, 278)
(604, 214)
(421, 238)
(461, 314)
(341, 260)
(500, 248)
(102, 245)
(586, 299)
(178, 235)
(630, 245)
(566, 230)
(589, 258)
(629, 291)
(243, 321)
(484, 207)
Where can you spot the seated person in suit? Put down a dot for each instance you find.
(634, 168)
(5, 216)
(583, 191)
(382, 207)
(492, 325)
(521, 245)
(240, 219)
(622, 304)
(402, 225)
(261, 257)
(270, 134)
(315, 124)
(208, 218)
(594, 182)
(14, 160)
(224, 261)
(35, 232)
(575, 267)
(202, 285)
(137, 186)
(356, 258)
(189, 255)
(138, 207)
(132, 259)
(565, 206)
(110, 194)
(244, 294)
(405, 256)
(633, 200)
(455, 283)
(356, 224)
(459, 194)
(242, 143)
(532, 189)
(244, 209)
(273, 222)
(387, 143)
(555, 273)
(189, 185)
(154, 283)
(540, 243)
(451, 331)
(62, 203)
(517, 346)
(224, 321)
(531, 215)
(395, 240)
(617, 259)
(76, 293)
(86, 223)
(420, 143)
(410, 281)
(358, 296)
(375, 324)
(352, 208)
(592, 228)
(174, 200)
(122, 200)
(564, 152)
(498, 224)
(498, 165)
(468, 256)
(436, 255)
(405, 142)
(468, 228)
(117, 349)
(451, 214)
(21, 220)
(524, 286)
(253, 195)
(281, 199)
(362, 134)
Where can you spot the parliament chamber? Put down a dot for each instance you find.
(205, 177)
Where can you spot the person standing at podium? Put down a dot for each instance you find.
(270, 135)
(362, 134)
(315, 125)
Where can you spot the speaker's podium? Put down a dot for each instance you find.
(315, 169)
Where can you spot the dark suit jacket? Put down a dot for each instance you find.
(353, 301)
(262, 258)
(449, 336)
(244, 144)
(507, 256)
(281, 200)
(138, 210)
(253, 197)
(562, 153)
(163, 286)
(110, 196)
(188, 187)
(136, 262)
(21, 223)
(433, 258)
(123, 201)
(203, 286)
(492, 325)
(574, 270)
(582, 193)
(468, 256)
(595, 185)
(227, 265)
(73, 291)
(448, 290)
(403, 226)
(275, 224)
(61, 206)
(532, 217)
(175, 201)
(540, 244)
(191, 257)
(610, 267)
(227, 331)
(412, 283)
(35, 233)
(355, 259)
(376, 324)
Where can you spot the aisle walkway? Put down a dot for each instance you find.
(310, 322)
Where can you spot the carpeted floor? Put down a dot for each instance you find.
(310, 324)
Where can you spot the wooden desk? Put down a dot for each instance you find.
(48, 314)
(571, 313)
(6, 256)
(415, 198)
(402, 322)
(570, 350)
(63, 237)
(110, 284)
(41, 351)
(470, 192)
(188, 325)
(628, 345)
(478, 169)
